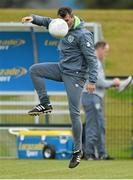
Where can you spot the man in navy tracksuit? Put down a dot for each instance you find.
(77, 63)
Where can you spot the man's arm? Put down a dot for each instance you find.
(88, 50)
(38, 20)
(102, 82)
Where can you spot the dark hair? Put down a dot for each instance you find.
(100, 44)
(63, 11)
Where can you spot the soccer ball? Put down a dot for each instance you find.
(58, 28)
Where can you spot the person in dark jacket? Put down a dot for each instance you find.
(77, 62)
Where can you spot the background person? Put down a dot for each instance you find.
(93, 107)
(77, 60)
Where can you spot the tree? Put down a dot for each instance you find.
(22, 3)
(107, 4)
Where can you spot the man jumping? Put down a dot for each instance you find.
(77, 63)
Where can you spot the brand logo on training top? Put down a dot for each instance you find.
(70, 38)
(88, 44)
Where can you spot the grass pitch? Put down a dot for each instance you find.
(58, 169)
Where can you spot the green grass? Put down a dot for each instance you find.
(123, 96)
(117, 29)
(58, 169)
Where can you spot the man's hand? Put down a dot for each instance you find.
(116, 82)
(90, 87)
(27, 19)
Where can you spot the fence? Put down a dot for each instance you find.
(118, 113)
(119, 122)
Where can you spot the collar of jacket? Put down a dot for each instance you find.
(76, 22)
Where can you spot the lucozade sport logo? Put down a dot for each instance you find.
(7, 74)
(6, 44)
(51, 42)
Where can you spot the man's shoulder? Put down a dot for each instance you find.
(84, 31)
(81, 32)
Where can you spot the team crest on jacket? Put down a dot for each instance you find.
(70, 38)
